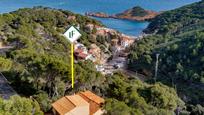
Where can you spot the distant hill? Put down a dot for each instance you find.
(136, 13)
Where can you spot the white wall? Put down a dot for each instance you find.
(82, 110)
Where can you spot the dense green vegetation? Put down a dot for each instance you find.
(182, 20)
(5, 64)
(19, 106)
(179, 40)
(138, 11)
(133, 97)
(38, 63)
(135, 11)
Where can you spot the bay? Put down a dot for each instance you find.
(108, 6)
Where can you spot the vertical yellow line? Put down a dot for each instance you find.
(72, 64)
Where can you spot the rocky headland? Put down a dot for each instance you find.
(136, 14)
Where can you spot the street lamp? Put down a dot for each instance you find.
(156, 66)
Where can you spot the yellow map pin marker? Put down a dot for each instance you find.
(72, 34)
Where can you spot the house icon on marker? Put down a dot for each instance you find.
(72, 34)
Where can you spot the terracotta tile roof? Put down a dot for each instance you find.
(126, 38)
(71, 18)
(91, 51)
(63, 105)
(67, 103)
(101, 32)
(78, 50)
(77, 100)
(82, 55)
(94, 101)
(93, 97)
(114, 40)
(87, 98)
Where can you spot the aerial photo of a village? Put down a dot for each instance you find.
(102, 57)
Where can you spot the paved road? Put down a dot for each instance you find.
(5, 89)
(116, 60)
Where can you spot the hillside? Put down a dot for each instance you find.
(178, 39)
(37, 61)
(137, 13)
(184, 19)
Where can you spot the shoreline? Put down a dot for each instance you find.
(135, 35)
(122, 34)
(150, 15)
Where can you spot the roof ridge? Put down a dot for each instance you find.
(83, 93)
(70, 100)
(77, 100)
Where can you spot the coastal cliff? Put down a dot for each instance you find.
(136, 13)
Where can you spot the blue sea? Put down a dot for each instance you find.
(108, 6)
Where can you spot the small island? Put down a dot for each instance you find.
(136, 14)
